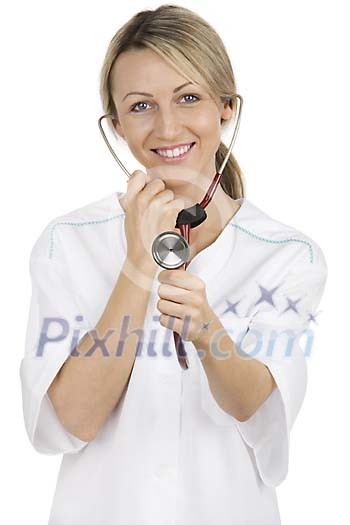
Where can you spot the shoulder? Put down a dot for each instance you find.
(270, 235)
(84, 218)
(279, 257)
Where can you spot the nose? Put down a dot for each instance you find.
(167, 123)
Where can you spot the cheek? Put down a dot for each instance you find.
(136, 133)
(208, 125)
(134, 140)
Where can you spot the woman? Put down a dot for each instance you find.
(145, 441)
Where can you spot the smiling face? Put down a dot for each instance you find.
(166, 114)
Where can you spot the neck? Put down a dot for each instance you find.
(220, 211)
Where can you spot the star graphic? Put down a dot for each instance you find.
(312, 317)
(231, 307)
(292, 306)
(266, 295)
(205, 326)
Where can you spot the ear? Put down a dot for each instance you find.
(226, 110)
(117, 126)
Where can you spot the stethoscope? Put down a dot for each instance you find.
(170, 250)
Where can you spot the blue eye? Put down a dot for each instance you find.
(190, 95)
(135, 105)
(132, 109)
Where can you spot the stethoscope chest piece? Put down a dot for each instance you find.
(170, 250)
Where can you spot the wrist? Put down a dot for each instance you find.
(212, 327)
(141, 270)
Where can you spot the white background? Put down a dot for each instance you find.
(291, 63)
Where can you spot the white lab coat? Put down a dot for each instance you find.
(168, 453)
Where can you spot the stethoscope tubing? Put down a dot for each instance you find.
(184, 228)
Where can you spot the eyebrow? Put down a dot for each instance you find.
(150, 95)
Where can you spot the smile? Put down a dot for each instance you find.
(176, 154)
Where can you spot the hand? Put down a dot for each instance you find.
(183, 303)
(150, 209)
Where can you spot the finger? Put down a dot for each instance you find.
(181, 279)
(165, 196)
(171, 213)
(175, 294)
(155, 186)
(170, 308)
(151, 190)
(171, 322)
(139, 178)
(136, 184)
(180, 326)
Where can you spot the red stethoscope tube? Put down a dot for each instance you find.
(185, 230)
(185, 225)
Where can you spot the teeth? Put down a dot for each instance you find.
(173, 152)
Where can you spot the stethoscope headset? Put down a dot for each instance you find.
(170, 250)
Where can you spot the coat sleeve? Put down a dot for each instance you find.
(49, 341)
(274, 337)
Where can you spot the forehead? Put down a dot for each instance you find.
(143, 70)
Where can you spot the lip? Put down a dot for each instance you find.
(175, 159)
(175, 145)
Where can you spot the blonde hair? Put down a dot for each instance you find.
(195, 50)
